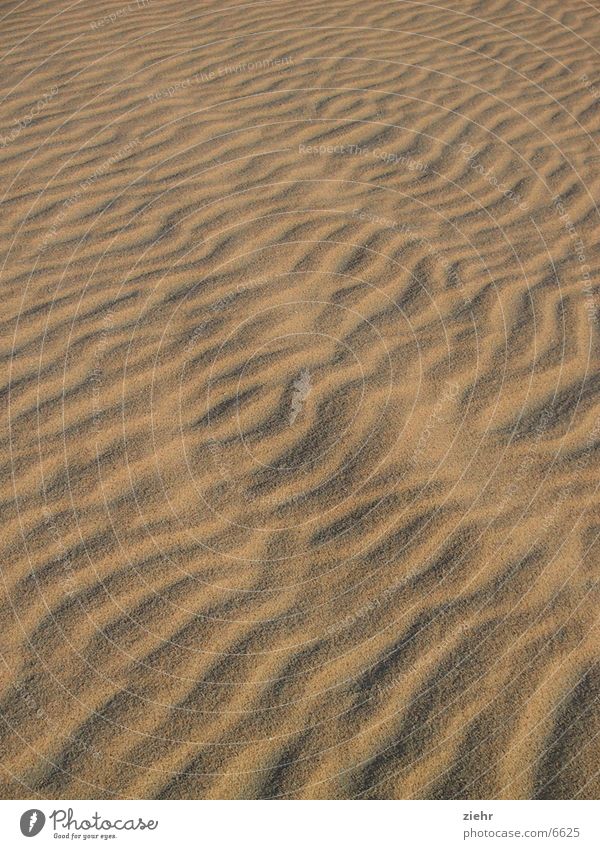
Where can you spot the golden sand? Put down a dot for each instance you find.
(300, 399)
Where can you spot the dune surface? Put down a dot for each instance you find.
(300, 399)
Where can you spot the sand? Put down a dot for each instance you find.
(300, 399)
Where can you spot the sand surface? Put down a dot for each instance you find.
(300, 399)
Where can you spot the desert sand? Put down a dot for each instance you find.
(300, 399)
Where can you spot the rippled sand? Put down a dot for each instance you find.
(300, 398)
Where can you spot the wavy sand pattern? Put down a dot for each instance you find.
(300, 398)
